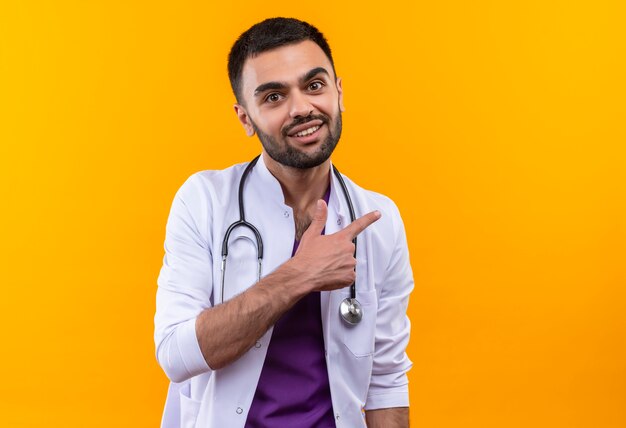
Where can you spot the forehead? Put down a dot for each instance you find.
(284, 64)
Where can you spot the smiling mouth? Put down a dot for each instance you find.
(307, 131)
(305, 126)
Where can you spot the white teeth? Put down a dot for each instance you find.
(307, 131)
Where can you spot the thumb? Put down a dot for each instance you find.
(319, 220)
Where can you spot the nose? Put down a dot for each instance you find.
(300, 105)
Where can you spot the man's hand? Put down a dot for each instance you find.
(327, 261)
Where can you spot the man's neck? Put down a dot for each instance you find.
(301, 187)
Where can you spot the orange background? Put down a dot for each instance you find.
(497, 127)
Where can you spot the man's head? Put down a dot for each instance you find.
(287, 92)
(267, 35)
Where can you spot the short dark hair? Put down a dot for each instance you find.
(266, 35)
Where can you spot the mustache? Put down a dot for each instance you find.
(302, 120)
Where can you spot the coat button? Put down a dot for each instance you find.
(338, 222)
(257, 344)
(286, 214)
(239, 410)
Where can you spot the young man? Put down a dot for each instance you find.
(276, 351)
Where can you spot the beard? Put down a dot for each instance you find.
(290, 156)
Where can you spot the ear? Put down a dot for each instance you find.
(243, 117)
(340, 91)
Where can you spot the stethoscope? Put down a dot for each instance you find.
(350, 309)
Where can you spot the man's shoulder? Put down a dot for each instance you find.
(364, 200)
(371, 199)
(202, 189)
(211, 175)
(211, 179)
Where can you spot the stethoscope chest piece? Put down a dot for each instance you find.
(351, 311)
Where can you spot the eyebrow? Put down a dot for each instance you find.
(281, 85)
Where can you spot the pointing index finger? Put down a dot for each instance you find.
(360, 224)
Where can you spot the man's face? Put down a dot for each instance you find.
(291, 100)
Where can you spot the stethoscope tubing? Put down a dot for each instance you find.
(350, 308)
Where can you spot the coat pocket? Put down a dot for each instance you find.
(189, 408)
(360, 338)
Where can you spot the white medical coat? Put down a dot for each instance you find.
(366, 363)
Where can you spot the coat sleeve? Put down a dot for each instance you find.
(389, 382)
(184, 284)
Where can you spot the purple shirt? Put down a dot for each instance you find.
(293, 390)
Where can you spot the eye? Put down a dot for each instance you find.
(273, 97)
(316, 85)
